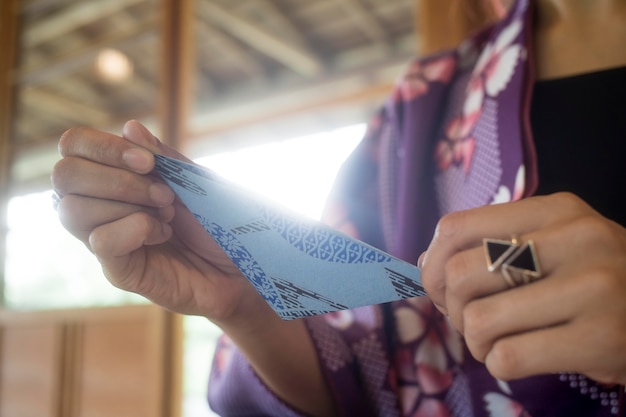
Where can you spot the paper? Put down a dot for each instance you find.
(300, 266)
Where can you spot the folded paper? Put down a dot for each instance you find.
(300, 266)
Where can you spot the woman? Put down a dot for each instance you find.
(487, 123)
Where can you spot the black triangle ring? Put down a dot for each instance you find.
(517, 262)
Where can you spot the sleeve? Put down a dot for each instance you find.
(236, 390)
(354, 355)
(354, 351)
(352, 346)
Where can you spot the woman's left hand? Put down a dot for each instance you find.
(572, 319)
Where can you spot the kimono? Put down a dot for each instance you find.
(454, 134)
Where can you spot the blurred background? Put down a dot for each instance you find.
(266, 92)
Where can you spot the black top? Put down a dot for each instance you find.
(579, 128)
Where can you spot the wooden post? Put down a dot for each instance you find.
(176, 79)
(174, 103)
(8, 34)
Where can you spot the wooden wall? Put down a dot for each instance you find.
(119, 361)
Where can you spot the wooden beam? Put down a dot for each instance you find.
(73, 17)
(294, 57)
(77, 59)
(280, 21)
(64, 108)
(352, 87)
(8, 34)
(365, 20)
(206, 31)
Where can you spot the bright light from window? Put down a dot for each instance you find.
(297, 173)
(46, 267)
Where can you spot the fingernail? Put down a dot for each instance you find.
(441, 309)
(139, 160)
(133, 130)
(420, 260)
(161, 194)
(166, 213)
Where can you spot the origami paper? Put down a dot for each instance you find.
(300, 266)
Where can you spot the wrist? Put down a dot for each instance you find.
(254, 321)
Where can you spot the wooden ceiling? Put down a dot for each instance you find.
(321, 62)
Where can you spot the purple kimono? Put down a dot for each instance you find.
(455, 134)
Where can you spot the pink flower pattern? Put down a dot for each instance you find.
(426, 358)
(415, 82)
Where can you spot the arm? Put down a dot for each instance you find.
(148, 243)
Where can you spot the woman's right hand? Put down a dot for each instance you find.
(145, 239)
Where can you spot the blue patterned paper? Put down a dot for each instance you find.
(301, 267)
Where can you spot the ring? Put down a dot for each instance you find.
(518, 262)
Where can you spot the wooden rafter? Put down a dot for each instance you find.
(77, 59)
(297, 58)
(72, 17)
(280, 21)
(365, 19)
(66, 109)
(252, 58)
(205, 30)
(351, 86)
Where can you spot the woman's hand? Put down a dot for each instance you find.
(146, 240)
(572, 319)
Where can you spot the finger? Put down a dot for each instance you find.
(501, 221)
(575, 274)
(79, 176)
(115, 244)
(80, 215)
(127, 234)
(106, 149)
(581, 347)
(467, 278)
(516, 311)
(519, 310)
(138, 134)
(464, 230)
(561, 298)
